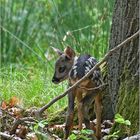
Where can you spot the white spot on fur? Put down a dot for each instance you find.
(75, 73)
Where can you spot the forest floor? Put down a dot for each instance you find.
(18, 123)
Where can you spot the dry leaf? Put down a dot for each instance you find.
(17, 112)
(22, 131)
(3, 105)
(14, 101)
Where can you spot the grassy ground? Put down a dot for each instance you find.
(31, 84)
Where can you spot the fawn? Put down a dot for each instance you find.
(68, 66)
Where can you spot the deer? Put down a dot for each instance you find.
(70, 67)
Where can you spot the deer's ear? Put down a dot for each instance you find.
(69, 52)
(57, 51)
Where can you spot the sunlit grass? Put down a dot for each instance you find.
(32, 85)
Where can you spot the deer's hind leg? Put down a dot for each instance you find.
(98, 111)
(87, 101)
(79, 108)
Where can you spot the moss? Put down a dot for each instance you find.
(58, 117)
(128, 107)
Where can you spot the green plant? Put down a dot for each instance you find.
(84, 134)
(121, 120)
(112, 136)
(39, 125)
(125, 123)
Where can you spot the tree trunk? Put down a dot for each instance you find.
(122, 67)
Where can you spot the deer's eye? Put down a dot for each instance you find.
(62, 69)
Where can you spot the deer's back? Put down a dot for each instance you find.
(82, 65)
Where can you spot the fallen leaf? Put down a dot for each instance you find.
(3, 105)
(17, 112)
(14, 101)
(21, 132)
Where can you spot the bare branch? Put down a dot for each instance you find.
(41, 110)
(8, 137)
(19, 121)
(96, 88)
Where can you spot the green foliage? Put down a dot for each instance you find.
(84, 134)
(29, 28)
(31, 84)
(40, 124)
(121, 120)
(38, 127)
(87, 131)
(112, 136)
(72, 137)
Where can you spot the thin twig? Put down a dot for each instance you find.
(19, 121)
(8, 137)
(41, 110)
(93, 89)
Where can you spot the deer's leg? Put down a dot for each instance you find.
(87, 101)
(70, 114)
(98, 111)
(79, 108)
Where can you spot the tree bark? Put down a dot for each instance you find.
(122, 67)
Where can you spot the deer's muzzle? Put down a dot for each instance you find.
(55, 80)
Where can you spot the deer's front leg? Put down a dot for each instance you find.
(79, 108)
(70, 114)
(98, 111)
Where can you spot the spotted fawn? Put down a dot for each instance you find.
(72, 68)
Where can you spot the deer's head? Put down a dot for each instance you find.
(63, 64)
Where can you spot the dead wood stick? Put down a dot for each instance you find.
(123, 44)
(93, 89)
(19, 121)
(8, 137)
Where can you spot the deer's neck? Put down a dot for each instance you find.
(73, 68)
(75, 60)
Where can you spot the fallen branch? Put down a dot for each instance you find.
(8, 137)
(41, 110)
(19, 121)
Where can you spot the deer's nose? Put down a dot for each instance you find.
(55, 80)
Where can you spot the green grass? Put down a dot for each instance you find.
(31, 84)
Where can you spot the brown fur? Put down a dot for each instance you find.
(81, 93)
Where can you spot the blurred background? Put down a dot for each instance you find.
(28, 29)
